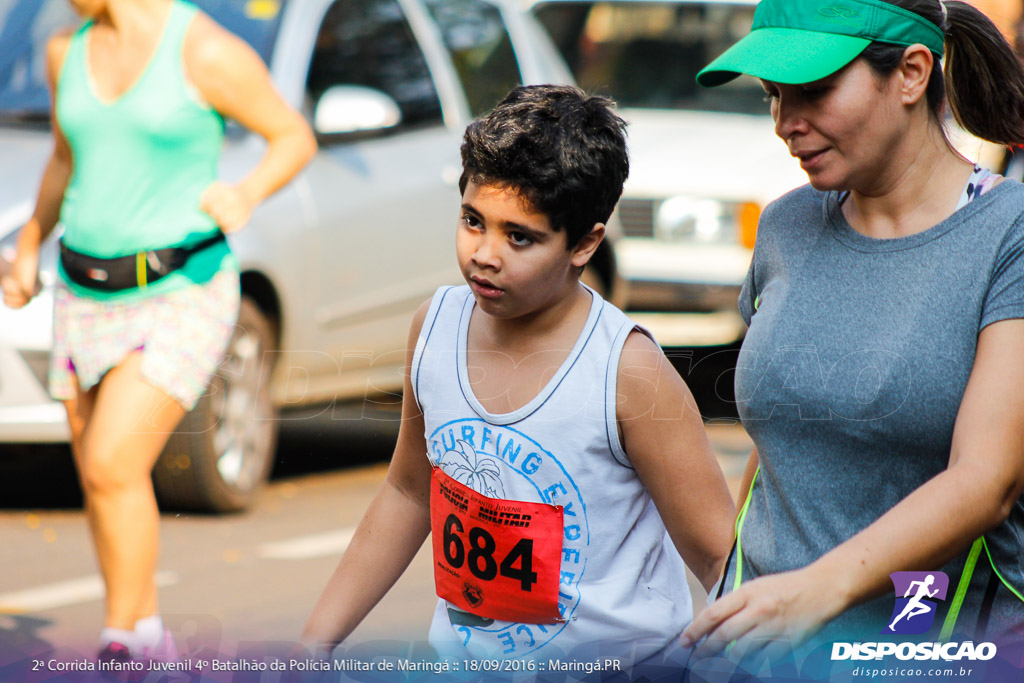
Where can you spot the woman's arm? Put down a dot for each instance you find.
(664, 435)
(975, 493)
(389, 535)
(19, 287)
(233, 79)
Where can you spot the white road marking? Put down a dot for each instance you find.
(306, 547)
(63, 593)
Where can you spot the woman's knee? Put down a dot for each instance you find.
(104, 469)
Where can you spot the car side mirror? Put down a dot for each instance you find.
(355, 110)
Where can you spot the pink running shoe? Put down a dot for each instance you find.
(162, 651)
(115, 652)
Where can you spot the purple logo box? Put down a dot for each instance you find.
(917, 597)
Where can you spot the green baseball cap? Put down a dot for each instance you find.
(799, 41)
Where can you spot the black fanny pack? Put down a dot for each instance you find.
(128, 272)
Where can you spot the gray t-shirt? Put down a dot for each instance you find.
(851, 376)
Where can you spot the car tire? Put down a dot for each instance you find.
(222, 452)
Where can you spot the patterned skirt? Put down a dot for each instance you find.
(182, 335)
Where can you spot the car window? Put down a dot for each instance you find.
(370, 43)
(26, 25)
(647, 54)
(475, 35)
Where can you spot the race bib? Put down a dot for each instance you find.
(497, 559)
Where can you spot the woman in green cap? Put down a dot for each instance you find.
(881, 376)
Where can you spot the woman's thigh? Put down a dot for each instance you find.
(128, 423)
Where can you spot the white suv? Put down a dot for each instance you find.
(334, 265)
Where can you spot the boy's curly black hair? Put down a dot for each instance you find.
(563, 150)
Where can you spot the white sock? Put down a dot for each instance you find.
(149, 631)
(117, 635)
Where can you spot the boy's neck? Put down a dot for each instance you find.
(540, 327)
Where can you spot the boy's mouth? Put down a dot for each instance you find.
(485, 287)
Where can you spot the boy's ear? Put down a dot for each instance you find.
(586, 247)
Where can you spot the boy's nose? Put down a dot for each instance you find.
(487, 253)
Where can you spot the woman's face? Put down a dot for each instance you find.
(843, 128)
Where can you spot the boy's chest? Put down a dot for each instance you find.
(504, 382)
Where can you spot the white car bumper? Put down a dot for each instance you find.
(27, 413)
(685, 293)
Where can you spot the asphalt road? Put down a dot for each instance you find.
(229, 583)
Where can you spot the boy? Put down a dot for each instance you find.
(544, 437)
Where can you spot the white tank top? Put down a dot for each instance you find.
(623, 588)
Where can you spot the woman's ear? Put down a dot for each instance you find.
(915, 71)
(586, 247)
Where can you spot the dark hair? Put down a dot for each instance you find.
(563, 150)
(983, 80)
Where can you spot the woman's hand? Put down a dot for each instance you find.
(227, 205)
(788, 607)
(21, 284)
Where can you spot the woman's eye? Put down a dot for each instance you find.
(519, 239)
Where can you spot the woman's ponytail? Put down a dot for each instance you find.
(983, 76)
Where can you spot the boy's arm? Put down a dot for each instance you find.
(390, 533)
(663, 434)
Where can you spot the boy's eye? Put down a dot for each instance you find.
(470, 220)
(519, 239)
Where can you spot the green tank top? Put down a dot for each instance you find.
(140, 163)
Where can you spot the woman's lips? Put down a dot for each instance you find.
(809, 160)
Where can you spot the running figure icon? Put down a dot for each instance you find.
(915, 606)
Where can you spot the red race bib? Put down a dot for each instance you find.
(497, 559)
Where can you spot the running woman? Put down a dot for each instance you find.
(150, 290)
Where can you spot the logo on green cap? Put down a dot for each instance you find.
(838, 12)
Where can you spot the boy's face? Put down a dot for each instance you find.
(511, 257)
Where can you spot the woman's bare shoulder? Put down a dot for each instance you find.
(217, 60)
(208, 44)
(56, 51)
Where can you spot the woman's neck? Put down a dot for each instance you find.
(125, 15)
(918, 189)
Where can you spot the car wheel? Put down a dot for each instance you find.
(222, 452)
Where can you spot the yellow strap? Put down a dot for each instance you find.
(739, 530)
(140, 268)
(995, 569)
(739, 545)
(961, 590)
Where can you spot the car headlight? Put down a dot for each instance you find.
(683, 218)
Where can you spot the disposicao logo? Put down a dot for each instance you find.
(917, 596)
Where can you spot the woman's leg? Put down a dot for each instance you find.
(124, 426)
